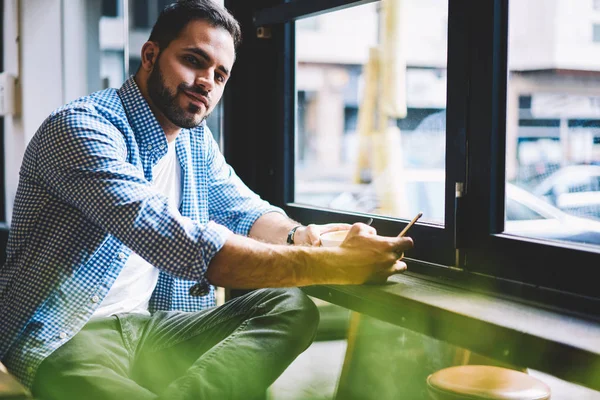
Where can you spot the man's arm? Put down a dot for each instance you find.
(274, 227)
(81, 159)
(246, 263)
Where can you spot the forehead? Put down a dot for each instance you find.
(216, 41)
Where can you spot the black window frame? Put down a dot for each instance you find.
(259, 143)
(435, 242)
(551, 267)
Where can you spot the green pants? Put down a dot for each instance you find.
(230, 352)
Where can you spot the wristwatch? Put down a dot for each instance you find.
(290, 237)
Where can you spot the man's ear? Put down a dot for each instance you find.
(150, 51)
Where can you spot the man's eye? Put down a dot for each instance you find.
(191, 60)
(220, 78)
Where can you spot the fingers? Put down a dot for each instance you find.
(335, 227)
(314, 234)
(360, 228)
(402, 244)
(381, 276)
(396, 246)
(399, 267)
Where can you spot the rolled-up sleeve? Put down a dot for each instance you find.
(82, 160)
(231, 202)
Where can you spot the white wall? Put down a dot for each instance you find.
(344, 37)
(56, 59)
(553, 34)
(40, 76)
(575, 47)
(426, 39)
(14, 138)
(81, 47)
(532, 34)
(41, 50)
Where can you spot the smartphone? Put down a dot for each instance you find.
(411, 223)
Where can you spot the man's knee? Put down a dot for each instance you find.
(302, 313)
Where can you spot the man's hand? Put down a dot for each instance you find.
(369, 258)
(363, 257)
(311, 235)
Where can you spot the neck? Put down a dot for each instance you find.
(171, 130)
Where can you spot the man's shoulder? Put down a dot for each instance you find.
(105, 103)
(100, 112)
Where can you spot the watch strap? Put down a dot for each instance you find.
(290, 236)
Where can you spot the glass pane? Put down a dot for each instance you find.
(553, 122)
(370, 134)
(142, 16)
(93, 32)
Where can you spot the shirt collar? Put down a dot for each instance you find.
(144, 124)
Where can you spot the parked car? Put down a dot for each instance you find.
(574, 189)
(526, 214)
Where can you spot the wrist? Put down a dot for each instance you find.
(292, 234)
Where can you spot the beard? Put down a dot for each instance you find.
(166, 102)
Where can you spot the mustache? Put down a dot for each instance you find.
(196, 90)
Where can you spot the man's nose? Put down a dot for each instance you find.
(206, 80)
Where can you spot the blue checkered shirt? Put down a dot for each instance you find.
(85, 202)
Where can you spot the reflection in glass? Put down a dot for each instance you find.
(371, 99)
(553, 122)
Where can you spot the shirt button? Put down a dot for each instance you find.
(62, 335)
(162, 146)
(122, 255)
(30, 370)
(95, 299)
(149, 147)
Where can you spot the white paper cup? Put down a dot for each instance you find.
(332, 239)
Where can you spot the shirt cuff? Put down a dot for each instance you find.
(215, 237)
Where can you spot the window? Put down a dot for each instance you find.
(370, 136)
(550, 153)
(140, 16)
(397, 140)
(110, 8)
(542, 141)
(518, 106)
(596, 33)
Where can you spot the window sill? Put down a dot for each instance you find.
(550, 340)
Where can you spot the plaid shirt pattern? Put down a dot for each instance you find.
(85, 202)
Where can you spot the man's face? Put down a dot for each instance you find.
(189, 76)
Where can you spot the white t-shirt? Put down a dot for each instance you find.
(133, 288)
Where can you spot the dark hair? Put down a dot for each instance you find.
(175, 17)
